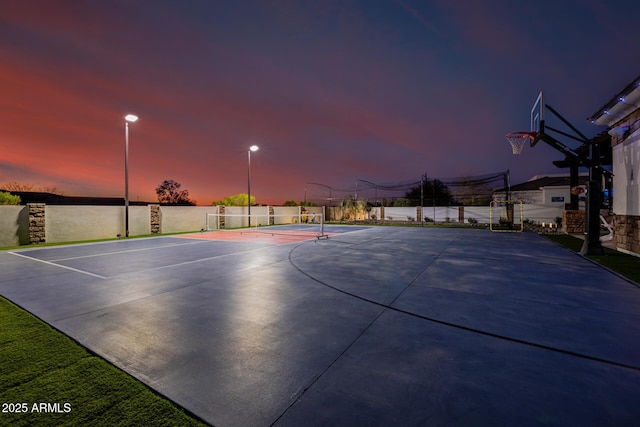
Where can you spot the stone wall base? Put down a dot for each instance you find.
(627, 232)
(573, 222)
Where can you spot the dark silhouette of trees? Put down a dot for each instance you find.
(433, 193)
(25, 187)
(169, 192)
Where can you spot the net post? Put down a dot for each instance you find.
(322, 235)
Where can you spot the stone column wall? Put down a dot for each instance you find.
(221, 214)
(627, 232)
(154, 212)
(37, 233)
(573, 222)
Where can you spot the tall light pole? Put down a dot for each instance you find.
(252, 148)
(129, 118)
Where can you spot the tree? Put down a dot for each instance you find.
(24, 187)
(290, 203)
(236, 200)
(352, 208)
(434, 193)
(169, 192)
(401, 203)
(8, 199)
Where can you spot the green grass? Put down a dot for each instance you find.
(38, 364)
(623, 264)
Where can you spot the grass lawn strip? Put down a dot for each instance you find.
(40, 365)
(623, 264)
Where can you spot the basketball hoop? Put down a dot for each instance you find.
(517, 140)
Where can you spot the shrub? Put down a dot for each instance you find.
(9, 199)
(472, 220)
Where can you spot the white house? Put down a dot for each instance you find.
(546, 190)
(621, 115)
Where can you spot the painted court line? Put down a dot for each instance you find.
(128, 250)
(265, 236)
(59, 265)
(187, 262)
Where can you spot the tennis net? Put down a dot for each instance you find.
(307, 223)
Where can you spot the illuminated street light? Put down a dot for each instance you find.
(129, 118)
(252, 148)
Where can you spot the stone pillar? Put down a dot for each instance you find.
(627, 233)
(221, 216)
(271, 218)
(37, 233)
(154, 212)
(461, 214)
(381, 214)
(573, 222)
(419, 213)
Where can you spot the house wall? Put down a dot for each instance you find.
(626, 176)
(176, 219)
(527, 197)
(556, 196)
(14, 225)
(626, 185)
(544, 196)
(75, 223)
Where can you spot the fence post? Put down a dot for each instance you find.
(154, 218)
(37, 222)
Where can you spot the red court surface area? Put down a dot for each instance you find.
(275, 237)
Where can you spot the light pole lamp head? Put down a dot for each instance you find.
(254, 148)
(131, 118)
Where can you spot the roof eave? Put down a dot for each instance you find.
(621, 105)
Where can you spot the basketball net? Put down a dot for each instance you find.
(517, 140)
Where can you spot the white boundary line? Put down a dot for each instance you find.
(128, 250)
(59, 265)
(193, 261)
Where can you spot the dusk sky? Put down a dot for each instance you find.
(331, 91)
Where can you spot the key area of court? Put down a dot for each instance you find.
(372, 326)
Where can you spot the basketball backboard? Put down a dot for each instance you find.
(536, 128)
(537, 115)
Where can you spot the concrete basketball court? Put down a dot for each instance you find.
(373, 326)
